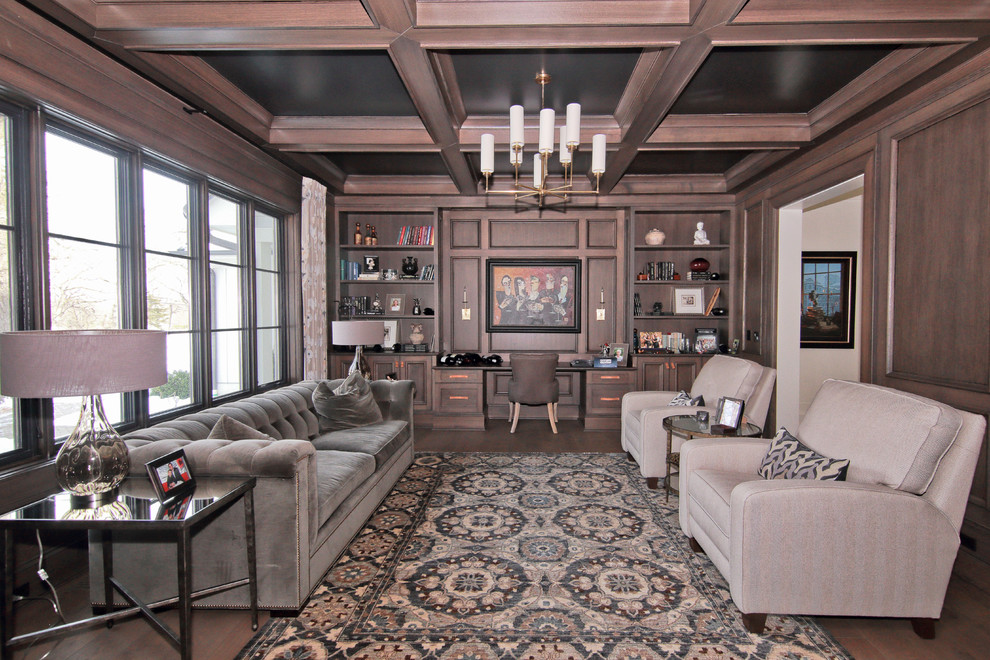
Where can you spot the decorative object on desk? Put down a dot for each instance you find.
(605, 350)
(533, 295)
(370, 264)
(88, 363)
(494, 359)
(390, 274)
(689, 301)
(416, 335)
(657, 308)
(395, 303)
(699, 265)
(358, 334)
(728, 415)
(655, 237)
(828, 299)
(416, 310)
(603, 362)
(735, 347)
(391, 333)
(706, 340)
(711, 303)
(701, 236)
(621, 354)
(170, 475)
(410, 266)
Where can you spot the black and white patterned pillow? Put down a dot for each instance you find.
(787, 458)
(684, 399)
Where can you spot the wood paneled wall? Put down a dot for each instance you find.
(596, 237)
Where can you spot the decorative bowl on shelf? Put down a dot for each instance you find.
(655, 237)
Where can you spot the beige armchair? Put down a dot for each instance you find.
(643, 437)
(881, 543)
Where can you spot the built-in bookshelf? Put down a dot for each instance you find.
(670, 302)
(368, 269)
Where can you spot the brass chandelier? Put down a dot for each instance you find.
(542, 192)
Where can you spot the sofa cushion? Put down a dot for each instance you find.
(787, 458)
(351, 404)
(891, 438)
(378, 440)
(724, 375)
(338, 474)
(228, 428)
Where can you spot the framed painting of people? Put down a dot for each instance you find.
(533, 295)
(828, 299)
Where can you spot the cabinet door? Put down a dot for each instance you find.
(681, 372)
(383, 365)
(417, 369)
(653, 370)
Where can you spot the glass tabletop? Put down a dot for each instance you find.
(135, 502)
(690, 424)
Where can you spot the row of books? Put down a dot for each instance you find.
(659, 270)
(666, 342)
(415, 235)
(428, 272)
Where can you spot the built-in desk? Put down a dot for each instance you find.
(465, 397)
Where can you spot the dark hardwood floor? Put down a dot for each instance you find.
(961, 632)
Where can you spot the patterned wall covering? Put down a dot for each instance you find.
(314, 279)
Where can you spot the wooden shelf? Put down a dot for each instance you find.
(389, 282)
(683, 282)
(667, 317)
(681, 247)
(389, 247)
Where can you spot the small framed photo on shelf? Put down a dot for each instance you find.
(689, 301)
(728, 415)
(370, 264)
(171, 476)
(391, 334)
(395, 304)
(621, 354)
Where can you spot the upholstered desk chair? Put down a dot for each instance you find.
(881, 543)
(643, 437)
(534, 383)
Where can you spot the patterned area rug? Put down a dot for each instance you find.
(542, 556)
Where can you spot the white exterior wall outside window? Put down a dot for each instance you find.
(226, 297)
(268, 317)
(8, 436)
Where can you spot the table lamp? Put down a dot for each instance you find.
(358, 334)
(56, 363)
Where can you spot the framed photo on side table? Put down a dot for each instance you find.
(728, 415)
(171, 477)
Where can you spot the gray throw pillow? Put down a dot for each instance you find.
(684, 399)
(228, 428)
(787, 458)
(349, 405)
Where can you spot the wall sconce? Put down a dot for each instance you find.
(465, 310)
(600, 312)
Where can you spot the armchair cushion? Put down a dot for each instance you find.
(349, 405)
(891, 437)
(787, 458)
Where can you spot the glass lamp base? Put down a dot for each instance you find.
(93, 460)
(360, 364)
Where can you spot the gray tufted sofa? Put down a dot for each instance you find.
(314, 492)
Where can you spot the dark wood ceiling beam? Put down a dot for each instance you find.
(751, 166)
(563, 36)
(401, 185)
(216, 14)
(852, 11)
(396, 15)
(846, 33)
(642, 81)
(719, 131)
(443, 68)
(165, 39)
(420, 79)
(646, 184)
(319, 168)
(552, 12)
(350, 134)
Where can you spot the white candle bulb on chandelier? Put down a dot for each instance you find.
(546, 130)
(565, 152)
(537, 170)
(598, 154)
(516, 127)
(487, 153)
(573, 124)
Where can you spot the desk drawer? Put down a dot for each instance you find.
(457, 398)
(612, 377)
(444, 375)
(605, 399)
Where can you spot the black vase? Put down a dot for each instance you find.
(410, 266)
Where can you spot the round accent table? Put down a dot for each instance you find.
(689, 427)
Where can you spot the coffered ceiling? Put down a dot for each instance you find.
(383, 96)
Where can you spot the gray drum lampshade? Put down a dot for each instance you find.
(357, 333)
(55, 363)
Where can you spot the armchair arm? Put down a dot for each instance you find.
(637, 401)
(827, 547)
(724, 454)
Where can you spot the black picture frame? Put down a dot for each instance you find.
(170, 488)
(828, 299)
(554, 307)
(728, 414)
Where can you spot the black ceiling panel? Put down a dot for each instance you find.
(317, 83)
(685, 162)
(777, 79)
(492, 80)
(388, 164)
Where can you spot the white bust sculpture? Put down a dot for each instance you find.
(700, 237)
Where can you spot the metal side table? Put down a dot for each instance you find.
(689, 427)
